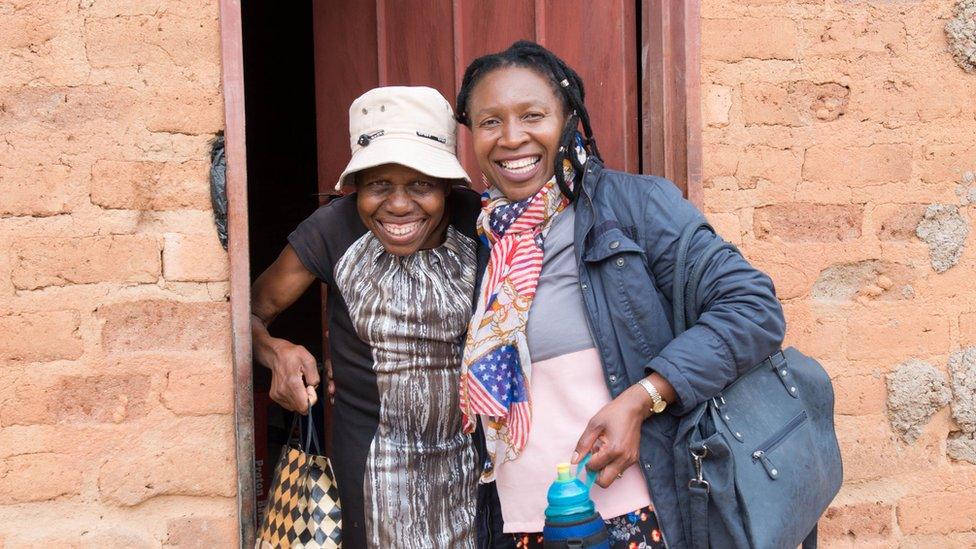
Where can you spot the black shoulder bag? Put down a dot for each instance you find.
(760, 460)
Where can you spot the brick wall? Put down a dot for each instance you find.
(832, 127)
(115, 368)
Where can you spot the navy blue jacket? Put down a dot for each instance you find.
(626, 233)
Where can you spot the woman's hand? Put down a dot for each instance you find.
(294, 376)
(613, 435)
(293, 372)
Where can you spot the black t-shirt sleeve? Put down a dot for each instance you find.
(325, 235)
(310, 242)
(465, 205)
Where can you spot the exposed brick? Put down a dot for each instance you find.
(780, 167)
(200, 449)
(809, 222)
(150, 40)
(190, 110)
(716, 103)
(118, 537)
(164, 326)
(853, 37)
(857, 521)
(859, 395)
(102, 398)
(790, 280)
(946, 163)
(34, 190)
(897, 333)
(88, 109)
(37, 477)
(940, 512)
(967, 329)
(746, 37)
(720, 159)
(858, 166)
(896, 102)
(199, 391)
(200, 532)
(898, 221)
(151, 185)
(41, 336)
(871, 451)
(817, 331)
(59, 261)
(94, 8)
(799, 103)
(76, 400)
(195, 258)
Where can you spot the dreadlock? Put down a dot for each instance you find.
(567, 85)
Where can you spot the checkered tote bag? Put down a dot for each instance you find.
(303, 511)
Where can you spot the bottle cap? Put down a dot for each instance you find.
(563, 472)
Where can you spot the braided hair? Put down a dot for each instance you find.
(565, 82)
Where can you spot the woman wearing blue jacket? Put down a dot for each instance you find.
(570, 350)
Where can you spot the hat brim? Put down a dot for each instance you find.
(409, 152)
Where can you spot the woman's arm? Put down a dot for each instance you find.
(740, 320)
(740, 323)
(613, 434)
(294, 376)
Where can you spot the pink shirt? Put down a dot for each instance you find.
(560, 412)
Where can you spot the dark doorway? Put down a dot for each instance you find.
(309, 59)
(282, 185)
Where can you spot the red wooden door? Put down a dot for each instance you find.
(361, 45)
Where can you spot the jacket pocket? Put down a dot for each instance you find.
(612, 242)
(627, 290)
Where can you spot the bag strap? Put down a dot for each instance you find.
(811, 540)
(678, 284)
(691, 287)
(310, 444)
(699, 516)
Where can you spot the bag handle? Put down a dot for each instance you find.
(310, 444)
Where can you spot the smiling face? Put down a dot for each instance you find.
(516, 121)
(404, 208)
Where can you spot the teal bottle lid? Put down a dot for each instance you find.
(568, 495)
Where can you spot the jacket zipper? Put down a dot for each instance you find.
(589, 323)
(761, 453)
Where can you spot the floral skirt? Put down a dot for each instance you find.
(635, 530)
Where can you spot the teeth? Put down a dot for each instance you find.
(522, 165)
(400, 229)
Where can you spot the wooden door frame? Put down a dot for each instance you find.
(670, 126)
(232, 64)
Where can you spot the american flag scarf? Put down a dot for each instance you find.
(496, 366)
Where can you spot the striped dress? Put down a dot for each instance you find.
(405, 470)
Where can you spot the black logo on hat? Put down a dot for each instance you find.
(432, 137)
(366, 138)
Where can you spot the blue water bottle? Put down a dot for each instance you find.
(572, 520)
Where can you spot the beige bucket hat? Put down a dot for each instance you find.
(411, 126)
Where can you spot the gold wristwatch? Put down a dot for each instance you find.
(658, 404)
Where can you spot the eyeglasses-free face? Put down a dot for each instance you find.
(516, 122)
(404, 208)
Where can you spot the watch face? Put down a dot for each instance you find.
(659, 406)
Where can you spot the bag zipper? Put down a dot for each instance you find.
(761, 453)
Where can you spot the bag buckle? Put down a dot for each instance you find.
(698, 454)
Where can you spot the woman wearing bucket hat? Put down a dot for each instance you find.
(399, 259)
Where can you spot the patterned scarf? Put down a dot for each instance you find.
(496, 366)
